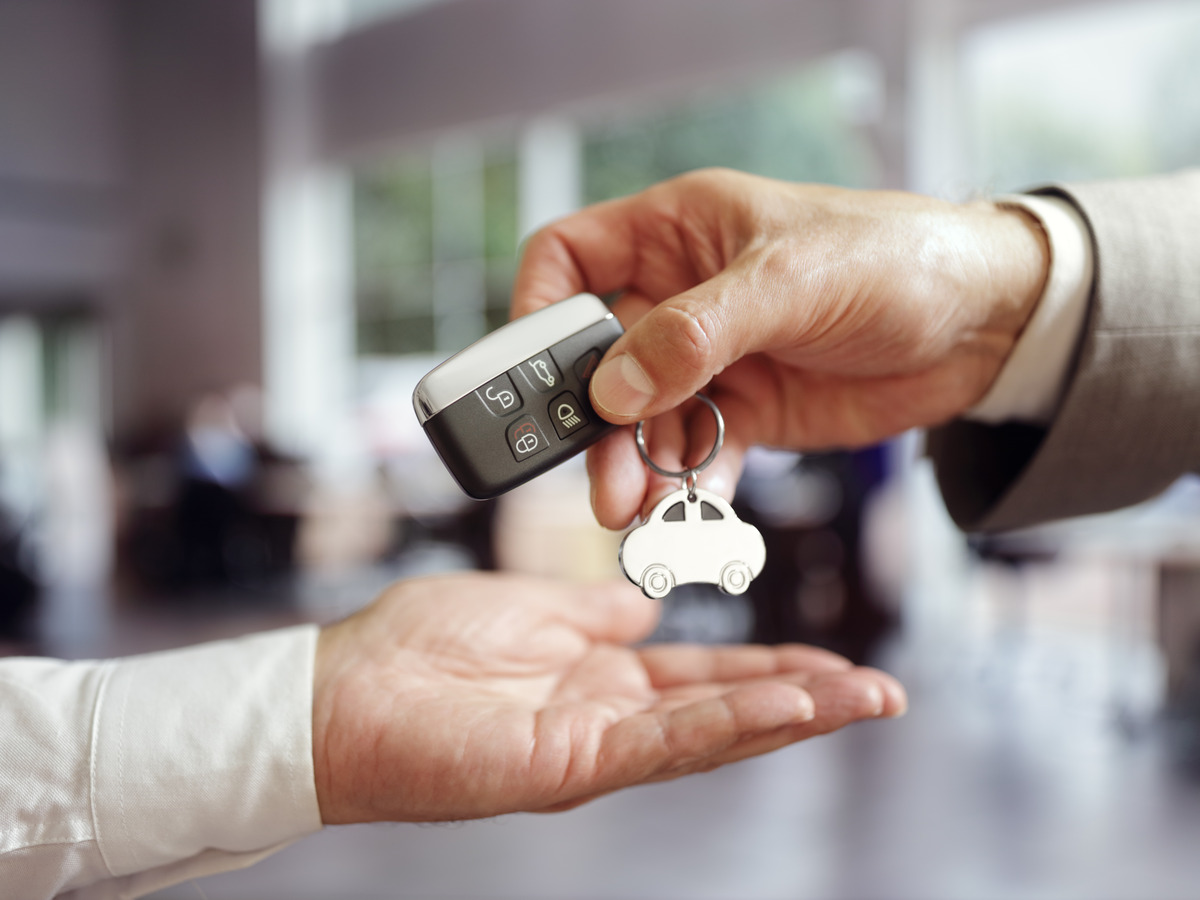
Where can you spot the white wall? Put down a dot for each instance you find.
(59, 148)
(188, 304)
(130, 184)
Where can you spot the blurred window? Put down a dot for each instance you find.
(675, 513)
(1102, 91)
(435, 241)
(51, 372)
(808, 125)
(436, 229)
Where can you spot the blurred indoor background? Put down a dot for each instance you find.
(234, 234)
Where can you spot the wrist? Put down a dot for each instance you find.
(1035, 373)
(325, 679)
(1020, 262)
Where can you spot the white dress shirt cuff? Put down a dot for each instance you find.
(1032, 381)
(205, 749)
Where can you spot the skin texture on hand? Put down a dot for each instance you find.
(815, 317)
(468, 696)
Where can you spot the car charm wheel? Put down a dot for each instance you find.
(657, 582)
(736, 577)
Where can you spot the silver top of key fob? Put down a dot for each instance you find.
(503, 349)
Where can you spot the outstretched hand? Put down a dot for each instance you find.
(815, 317)
(467, 696)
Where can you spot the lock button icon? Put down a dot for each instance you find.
(525, 438)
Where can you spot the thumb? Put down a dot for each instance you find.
(676, 348)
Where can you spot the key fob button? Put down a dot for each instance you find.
(525, 439)
(567, 415)
(541, 374)
(500, 397)
(586, 365)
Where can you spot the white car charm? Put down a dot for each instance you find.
(692, 535)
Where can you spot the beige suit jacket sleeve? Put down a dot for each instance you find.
(1129, 422)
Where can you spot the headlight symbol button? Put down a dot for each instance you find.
(566, 414)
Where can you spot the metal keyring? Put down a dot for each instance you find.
(689, 475)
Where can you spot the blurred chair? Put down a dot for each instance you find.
(211, 504)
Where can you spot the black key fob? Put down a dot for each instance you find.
(515, 403)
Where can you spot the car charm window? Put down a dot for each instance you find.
(675, 513)
(708, 511)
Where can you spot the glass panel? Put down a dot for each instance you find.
(435, 241)
(802, 127)
(436, 231)
(675, 513)
(393, 256)
(388, 337)
(709, 512)
(500, 203)
(393, 216)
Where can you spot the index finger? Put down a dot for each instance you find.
(591, 250)
(672, 665)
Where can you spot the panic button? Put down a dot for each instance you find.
(525, 438)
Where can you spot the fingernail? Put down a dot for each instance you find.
(808, 709)
(621, 388)
(900, 704)
(877, 700)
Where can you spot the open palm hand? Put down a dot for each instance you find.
(475, 695)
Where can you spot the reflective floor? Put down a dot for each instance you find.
(1029, 766)
(958, 800)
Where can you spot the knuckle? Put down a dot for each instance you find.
(710, 179)
(547, 240)
(712, 174)
(688, 336)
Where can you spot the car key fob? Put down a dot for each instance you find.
(515, 403)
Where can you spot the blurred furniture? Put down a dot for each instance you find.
(813, 588)
(18, 589)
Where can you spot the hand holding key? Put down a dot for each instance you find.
(822, 317)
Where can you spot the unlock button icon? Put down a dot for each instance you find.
(499, 396)
(566, 414)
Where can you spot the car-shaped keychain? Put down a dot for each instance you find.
(692, 535)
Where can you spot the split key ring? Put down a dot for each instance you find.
(689, 476)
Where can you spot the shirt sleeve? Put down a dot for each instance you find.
(126, 776)
(1033, 379)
